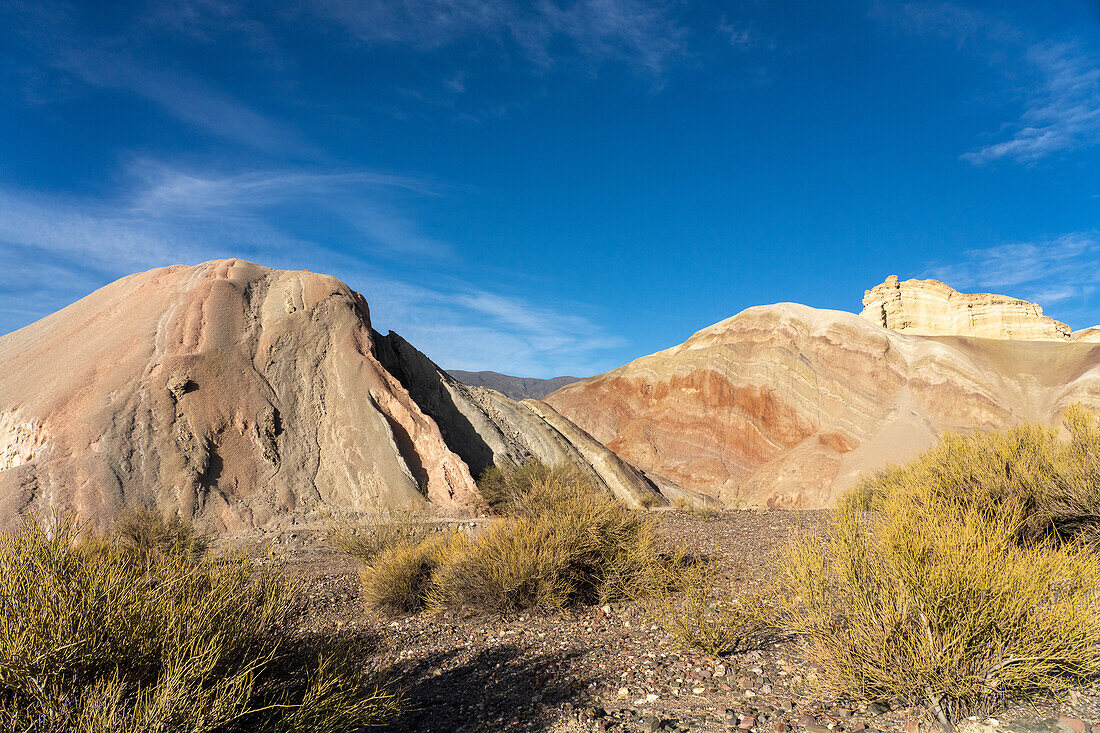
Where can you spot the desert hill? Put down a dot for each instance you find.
(786, 405)
(518, 388)
(239, 395)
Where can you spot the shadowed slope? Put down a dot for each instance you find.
(485, 428)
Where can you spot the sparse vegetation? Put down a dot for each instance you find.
(700, 608)
(399, 578)
(365, 540)
(147, 532)
(1050, 488)
(512, 489)
(563, 543)
(971, 580)
(567, 544)
(123, 634)
(706, 508)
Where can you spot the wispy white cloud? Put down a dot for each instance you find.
(162, 188)
(968, 28)
(1062, 113)
(462, 327)
(424, 25)
(63, 54)
(166, 211)
(187, 98)
(744, 36)
(642, 34)
(54, 249)
(544, 329)
(1057, 83)
(208, 21)
(1059, 273)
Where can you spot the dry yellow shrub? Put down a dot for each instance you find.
(966, 582)
(98, 636)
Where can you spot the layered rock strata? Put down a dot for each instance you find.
(485, 428)
(787, 405)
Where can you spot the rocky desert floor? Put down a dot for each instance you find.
(611, 668)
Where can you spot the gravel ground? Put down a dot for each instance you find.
(611, 669)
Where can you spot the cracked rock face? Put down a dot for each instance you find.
(931, 308)
(787, 405)
(226, 391)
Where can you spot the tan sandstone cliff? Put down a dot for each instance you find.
(931, 308)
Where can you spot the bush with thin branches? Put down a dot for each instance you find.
(1049, 486)
(696, 604)
(967, 582)
(369, 536)
(99, 637)
(563, 543)
(148, 532)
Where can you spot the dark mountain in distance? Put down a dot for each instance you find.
(518, 388)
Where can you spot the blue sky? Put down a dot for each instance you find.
(556, 186)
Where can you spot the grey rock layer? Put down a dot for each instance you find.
(484, 427)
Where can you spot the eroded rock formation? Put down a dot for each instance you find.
(931, 308)
(786, 405)
(484, 427)
(226, 391)
(241, 396)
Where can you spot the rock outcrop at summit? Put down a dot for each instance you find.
(787, 405)
(931, 308)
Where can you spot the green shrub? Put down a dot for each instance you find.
(399, 577)
(99, 637)
(512, 489)
(962, 586)
(566, 544)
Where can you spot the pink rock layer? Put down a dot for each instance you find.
(226, 391)
(787, 405)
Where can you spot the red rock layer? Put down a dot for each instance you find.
(787, 405)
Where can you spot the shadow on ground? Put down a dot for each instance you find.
(500, 688)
